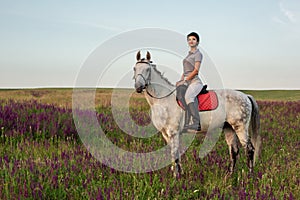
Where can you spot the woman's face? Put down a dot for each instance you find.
(192, 41)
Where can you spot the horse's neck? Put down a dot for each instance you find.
(159, 87)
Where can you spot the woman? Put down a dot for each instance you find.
(190, 78)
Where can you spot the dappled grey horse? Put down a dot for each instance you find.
(237, 115)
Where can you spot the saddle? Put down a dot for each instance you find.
(207, 99)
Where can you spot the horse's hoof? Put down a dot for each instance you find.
(181, 171)
(251, 172)
(177, 175)
(177, 171)
(228, 174)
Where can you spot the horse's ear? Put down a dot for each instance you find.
(138, 56)
(148, 56)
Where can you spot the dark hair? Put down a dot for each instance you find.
(195, 35)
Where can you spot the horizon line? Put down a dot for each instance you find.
(93, 87)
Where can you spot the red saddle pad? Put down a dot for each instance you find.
(207, 102)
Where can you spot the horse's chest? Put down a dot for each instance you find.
(163, 116)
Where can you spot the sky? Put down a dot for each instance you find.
(252, 44)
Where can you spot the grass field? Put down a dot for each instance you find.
(63, 97)
(41, 155)
(275, 95)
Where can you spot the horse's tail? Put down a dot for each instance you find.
(255, 127)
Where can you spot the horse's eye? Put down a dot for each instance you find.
(134, 69)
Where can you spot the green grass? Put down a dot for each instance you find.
(63, 96)
(60, 169)
(274, 95)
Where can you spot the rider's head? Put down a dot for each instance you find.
(194, 35)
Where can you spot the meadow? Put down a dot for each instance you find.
(42, 157)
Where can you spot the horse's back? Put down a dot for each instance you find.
(237, 105)
(229, 96)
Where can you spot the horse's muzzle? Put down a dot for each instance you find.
(139, 87)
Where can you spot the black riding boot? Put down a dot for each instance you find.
(180, 93)
(187, 118)
(195, 117)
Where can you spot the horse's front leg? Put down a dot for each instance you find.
(232, 142)
(174, 144)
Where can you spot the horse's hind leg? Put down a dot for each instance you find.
(243, 136)
(232, 142)
(250, 155)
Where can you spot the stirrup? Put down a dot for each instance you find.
(192, 128)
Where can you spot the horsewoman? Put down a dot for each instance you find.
(237, 121)
(190, 84)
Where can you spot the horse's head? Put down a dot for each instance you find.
(142, 72)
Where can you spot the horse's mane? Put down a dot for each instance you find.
(161, 75)
(158, 72)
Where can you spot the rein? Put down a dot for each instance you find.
(160, 97)
(147, 83)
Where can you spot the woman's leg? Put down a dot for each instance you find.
(192, 91)
(190, 95)
(180, 95)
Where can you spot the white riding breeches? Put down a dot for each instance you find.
(193, 90)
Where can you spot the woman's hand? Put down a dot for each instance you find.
(180, 82)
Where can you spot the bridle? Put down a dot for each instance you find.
(148, 82)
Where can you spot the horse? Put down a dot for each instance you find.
(239, 115)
